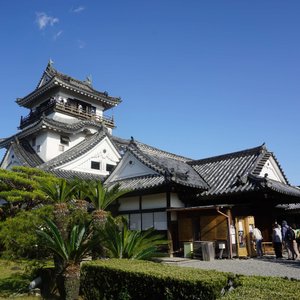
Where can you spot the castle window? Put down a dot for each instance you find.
(145, 220)
(64, 140)
(95, 165)
(109, 167)
(38, 148)
(61, 148)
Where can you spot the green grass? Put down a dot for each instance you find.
(14, 279)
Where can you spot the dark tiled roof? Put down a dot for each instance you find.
(168, 166)
(278, 187)
(45, 122)
(238, 172)
(58, 79)
(141, 183)
(25, 154)
(68, 174)
(87, 144)
(228, 173)
(293, 206)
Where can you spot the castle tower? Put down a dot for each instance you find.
(66, 129)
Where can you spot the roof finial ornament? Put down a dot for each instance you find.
(50, 63)
(89, 79)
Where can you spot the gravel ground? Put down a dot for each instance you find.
(266, 266)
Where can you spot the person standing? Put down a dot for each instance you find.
(285, 242)
(277, 241)
(296, 254)
(257, 237)
(288, 236)
(297, 232)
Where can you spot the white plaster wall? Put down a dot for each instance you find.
(49, 144)
(175, 201)
(104, 152)
(62, 118)
(129, 203)
(41, 140)
(271, 168)
(99, 109)
(75, 139)
(154, 201)
(130, 167)
(10, 160)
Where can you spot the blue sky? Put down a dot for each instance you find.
(197, 78)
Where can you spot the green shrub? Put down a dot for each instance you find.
(18, 234)
(15, 284)
(133, 279)
(265, 288)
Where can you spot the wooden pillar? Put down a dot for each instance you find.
(169, 224)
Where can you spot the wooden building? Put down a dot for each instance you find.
(217, 199)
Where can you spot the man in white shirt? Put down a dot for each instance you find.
(257, 238)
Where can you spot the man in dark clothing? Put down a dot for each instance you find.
(288, 240)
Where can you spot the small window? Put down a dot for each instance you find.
(93, 110)
(61, 148)
(64, 140)
(33, 142)
(135, 222)
(109, 167)
(38, 148)
(95, 165)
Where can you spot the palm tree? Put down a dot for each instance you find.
(120, 242)
(71, 252)
(102, 197)
(80, 193)
(60, 193)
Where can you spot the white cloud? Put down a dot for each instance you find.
(57, 35)
(43, 20)
(78, 9)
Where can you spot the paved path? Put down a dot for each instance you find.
(266, 266)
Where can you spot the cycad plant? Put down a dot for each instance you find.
(71, 252)
(60, 193)
(80, 193)
(120, 242)
(102, 197)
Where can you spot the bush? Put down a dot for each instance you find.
(133, 279)
(13, 278)
(265, 288)
(18, 234)
(16, 284)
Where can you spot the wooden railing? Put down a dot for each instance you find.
(68, 109)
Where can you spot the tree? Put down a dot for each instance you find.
(102, 197)
(71, 252)
(21, 188)
(17, 234)
(80, 193)
(120, 242)
(60, 193)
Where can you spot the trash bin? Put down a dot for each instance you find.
(208, 251)
(188, 249)
(221, 247)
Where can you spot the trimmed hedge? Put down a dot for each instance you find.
(135, 279)
(265, 288)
